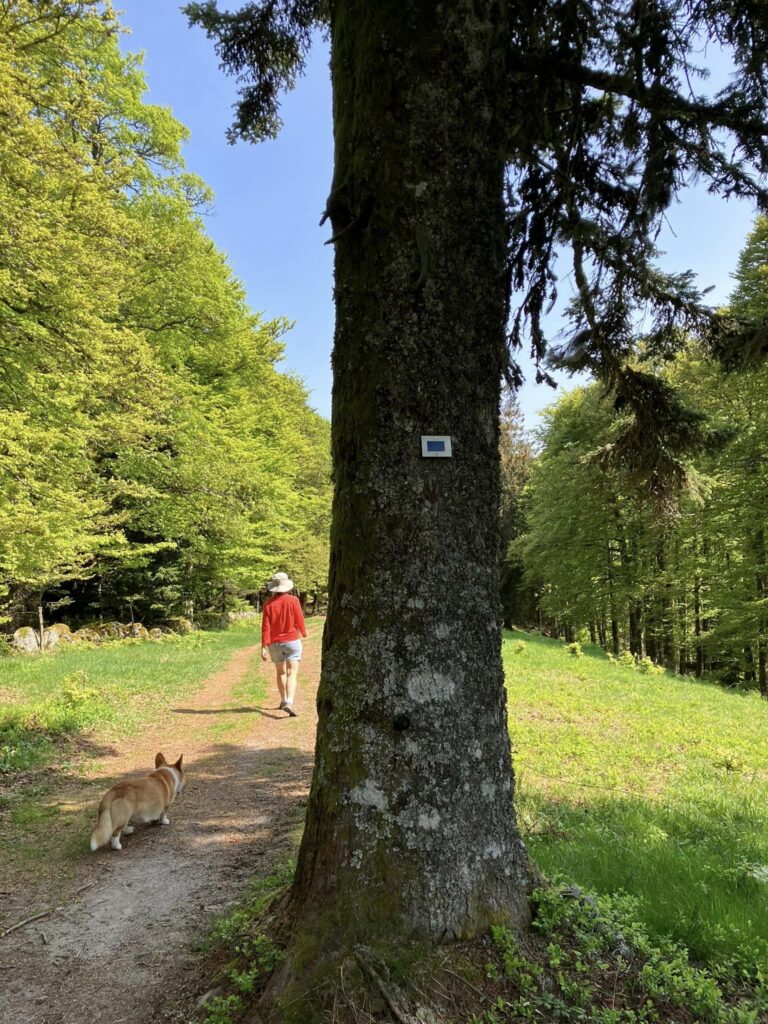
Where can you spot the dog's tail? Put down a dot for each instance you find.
(104, 828)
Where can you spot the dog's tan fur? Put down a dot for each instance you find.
(147, 799)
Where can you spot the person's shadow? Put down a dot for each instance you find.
(229, 711)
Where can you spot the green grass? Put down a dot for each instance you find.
(101, 693)
(652, 785)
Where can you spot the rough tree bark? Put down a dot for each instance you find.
(410, 831)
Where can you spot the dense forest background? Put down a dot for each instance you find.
(153, 461)
(590, 553)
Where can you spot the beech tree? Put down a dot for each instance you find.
(151, 454)
(475, 142)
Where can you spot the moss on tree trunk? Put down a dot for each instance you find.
(410, 831)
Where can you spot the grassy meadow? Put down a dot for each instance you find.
(97, 694)
(647, 784)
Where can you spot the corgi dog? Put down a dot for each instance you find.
(146, 799)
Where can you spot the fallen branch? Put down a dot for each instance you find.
(43, 913)
(365, 965)
(28, 920)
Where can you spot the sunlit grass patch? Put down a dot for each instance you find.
(103, 692)
(654, 785)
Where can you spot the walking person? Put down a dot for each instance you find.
(282, 627)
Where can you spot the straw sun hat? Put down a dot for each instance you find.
(280, 583)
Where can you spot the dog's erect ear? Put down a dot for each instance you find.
(178, 763)
(159, 759)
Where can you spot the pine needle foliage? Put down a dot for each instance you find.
(609, 119)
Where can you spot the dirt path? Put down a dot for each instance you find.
(121, 951)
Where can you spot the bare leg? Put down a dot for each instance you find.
(292, 680)
(280, 674)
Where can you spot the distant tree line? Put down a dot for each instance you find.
(152, 457)
(680, 579)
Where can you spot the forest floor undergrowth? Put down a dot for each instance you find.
(120, 941)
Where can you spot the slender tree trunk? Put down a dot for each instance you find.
(681, 610)
(666, 616)
(615, 636)
(410, 831)
(697, 628)
(634, 607)
(41, 626)
(749, 664)
(635, 630)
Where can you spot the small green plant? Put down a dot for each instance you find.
(21, 747)
(253, 955)
(627, 660)
(523, 974)
(574, 649)
(223, 1009)
(520, 647)
(648, 667)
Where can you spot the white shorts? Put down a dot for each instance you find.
(288, 651)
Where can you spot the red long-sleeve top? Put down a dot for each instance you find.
(282, 620)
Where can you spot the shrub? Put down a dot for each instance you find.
(574, 649)
(648, 667)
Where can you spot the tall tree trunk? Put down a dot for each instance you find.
(410, 831)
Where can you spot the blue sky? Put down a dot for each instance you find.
(270, 197)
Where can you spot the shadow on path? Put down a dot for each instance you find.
(238, 816)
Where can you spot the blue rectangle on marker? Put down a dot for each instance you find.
(435, 446)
